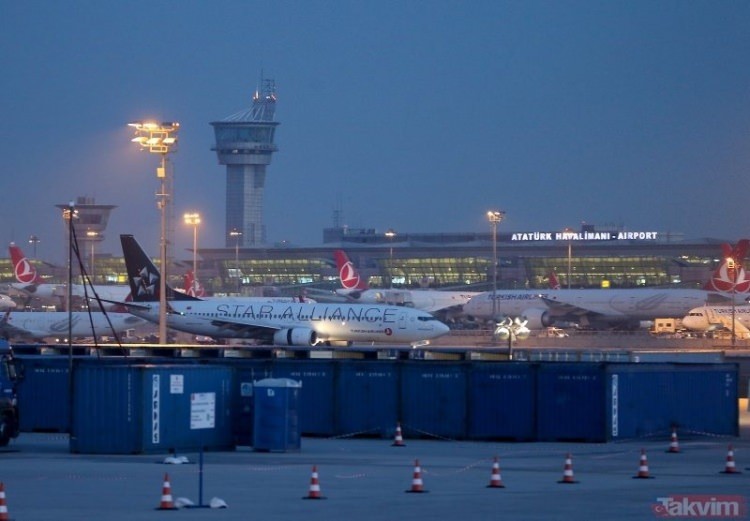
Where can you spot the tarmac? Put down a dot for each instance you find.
(368, 479)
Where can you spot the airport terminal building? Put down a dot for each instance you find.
(591, 257)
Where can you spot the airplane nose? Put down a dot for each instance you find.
(441, 329)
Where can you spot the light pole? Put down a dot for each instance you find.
(390, 233)
(92, 236)
(194, 219)
(494, 217)
(159, 138)
(69, 214)
(732, 267)
(237, 235)
(569, 234)
(34, 240)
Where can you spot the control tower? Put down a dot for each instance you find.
(90, 225)
(244, 143)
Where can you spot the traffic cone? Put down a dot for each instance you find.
(314, 490)
(568, 471)
(729, 467)
(398, 440)
(166, 496)
(3, 506)
(417, 486)
(643, 467)
(674, 446)
(495, 480)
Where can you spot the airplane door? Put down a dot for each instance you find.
(402, 320)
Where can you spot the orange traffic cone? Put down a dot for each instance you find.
(3, 506)
(568, 471)
(643, 467)
(166, 496)
(416, 482)
(729, 468)
(314, 490)
(398, 440)
(674, 446)
(495, 480)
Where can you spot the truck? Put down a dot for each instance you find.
(9, 378)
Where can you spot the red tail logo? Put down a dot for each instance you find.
(193, 287)
(25, 273)
(347, 272)
(553, 282)
(728, 278)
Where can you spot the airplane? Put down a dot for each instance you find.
(611, 307)
(37, 325)
(31, 284)
(193, 286)
(711, 318)
(276, 323)
(356, 289)
(6, 303)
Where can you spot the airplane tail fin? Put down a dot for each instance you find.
(143, 276)
(348, 274)
(24, 271)
(193, 286)
(728, 278)
(553, 282)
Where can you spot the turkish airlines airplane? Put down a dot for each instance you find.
(273, 323)
(37, 325)
(31, 284)
(711, 318)
(612, 307)
(356, 289)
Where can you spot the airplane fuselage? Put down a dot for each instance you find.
(329, 322)
(603, 304)
(55, 324)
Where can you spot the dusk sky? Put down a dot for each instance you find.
(415, 116)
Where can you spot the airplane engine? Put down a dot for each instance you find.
(537, 318)
(298, 336)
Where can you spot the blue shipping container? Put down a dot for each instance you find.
(317, 403)
(44, 394)
(276, 418)
(650, 399)
(502, 401)
(367, 398)
(570, 402)
(433, 399)
(131, 409)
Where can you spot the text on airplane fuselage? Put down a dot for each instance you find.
(314, 312)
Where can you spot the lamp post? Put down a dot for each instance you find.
(159, 138)
(92, 236)
(494, 217)
(569, 232)
(390, 233)
(34, 240)
(732, 267)
(69, 214)
(237, 234)
(194, 219)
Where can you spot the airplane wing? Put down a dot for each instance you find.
(245, 330)
(561, 308)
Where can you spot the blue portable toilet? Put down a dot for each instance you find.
(276, 425)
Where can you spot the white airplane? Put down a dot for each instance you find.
(711, 318)
(194, 288)
(6, 303)
(356, 289)
(612, 307)
(285, 323)
(31, 284)
(39, 325)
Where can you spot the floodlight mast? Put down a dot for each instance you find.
(159, 138)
